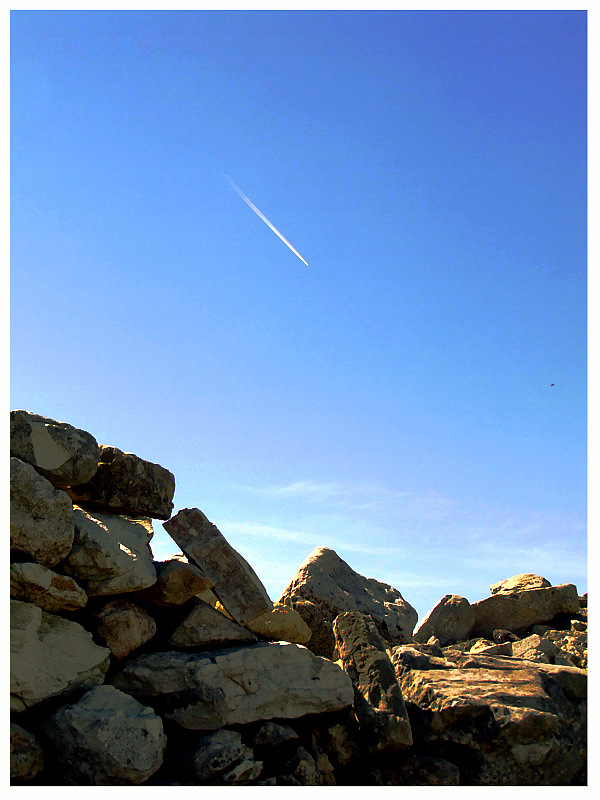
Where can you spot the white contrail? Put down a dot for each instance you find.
(264, 219)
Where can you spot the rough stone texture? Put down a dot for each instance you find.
(334, 587)
(520, 583)
(107, 739)
(235, 583)
(306, 769)
(50, 656)
(41, 517)
(272, 733)
(535, 648)
(110, 554)
(519, 610)
(572, 644)
(322, 640)
(47, 589)
(127, 484)
(221, 758)
(204, 626)
(504, 726)
(449, 621)
(340, 745)
(281, 624)
(379, 705)
(206, 691)
(65, 455)
(406, 657)
(26, 753)
(177, 581)
(491, 648)
(124, 626)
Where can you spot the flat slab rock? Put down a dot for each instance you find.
(237, 685)
(127, 484)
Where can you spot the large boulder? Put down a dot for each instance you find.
(379, 706)
(127, 484)
(282, 623)
(47, 589)
(27, 756)
(107, 739)
(110, 554)
(41, 517)
(333, 587)
(65, 455)
(518, 610)
(520, 583)
(504, 721)
(206, 691)
(50, 656)
(235, 583)
(449, 621)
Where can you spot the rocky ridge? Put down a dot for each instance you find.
(128, 671)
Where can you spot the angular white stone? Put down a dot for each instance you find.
(50, 656)
(47, 589)
(237, 685)
(110, 554)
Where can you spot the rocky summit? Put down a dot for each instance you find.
(127, 671)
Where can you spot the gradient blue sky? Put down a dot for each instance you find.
(393, 400)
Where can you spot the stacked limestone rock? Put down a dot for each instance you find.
(126, 671)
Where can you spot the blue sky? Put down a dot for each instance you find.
(393, 400)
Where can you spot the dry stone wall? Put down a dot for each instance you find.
(128, 671)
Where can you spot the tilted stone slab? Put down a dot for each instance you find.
(519, 583)
(47, 589)
(449, 621)
(107, 739)
(206, 691)
(65, 455)
(331, 585)
(379, 707)
(50, 656)
(41, 517)
(204, 626)
(518, 610)
(235, 583)
(127, 484)
(110, 554)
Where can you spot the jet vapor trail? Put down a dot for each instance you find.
(264, 219)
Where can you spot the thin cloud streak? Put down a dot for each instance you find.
(264, 219)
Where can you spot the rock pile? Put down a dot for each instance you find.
(129, 671)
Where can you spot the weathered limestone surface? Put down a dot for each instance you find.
(50, 656)
(107, 739)
(520, 583)
(210, 690)
(449, 621)
(124, 626)
(41, 517)
(47, 589)
(127, 484)
(110, 554)
(406, 657)
(281, 624)
(204, 626)
(520, 721)
(235, 583)
(65, 455)
(26, 753)
(334, 587)
(520, 609)
(379, 706)
(177, 581)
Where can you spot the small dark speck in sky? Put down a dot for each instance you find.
(551, 384)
